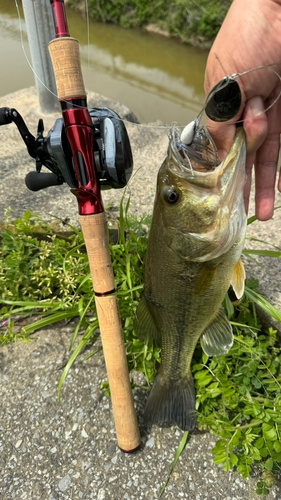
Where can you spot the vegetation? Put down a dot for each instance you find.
(45, 278)
(189, 20)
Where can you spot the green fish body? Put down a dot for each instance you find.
(195, 243)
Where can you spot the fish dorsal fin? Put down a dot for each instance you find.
(218, 336)
(144, 324)
(238, 279)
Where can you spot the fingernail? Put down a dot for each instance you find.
(255, 105)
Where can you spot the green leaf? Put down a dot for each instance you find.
(227, 466)
(229, 307)
(263, 303)
(269, 432)
(233, 459)
(226, 434)
(269, 464)
(205, 358)
(49, 320)
(82, 312)
(69, 364)
(277, 446)
(244, 470)
(256, 454)
(201, 374)
(220, 447)
(197, 367)
(236, 438)
(205, 381)
(251, 220)
(229, 393)
(259, 443)
(92, 353)
(219, 459)
(265, 253)
(178, 454)
(255, 421)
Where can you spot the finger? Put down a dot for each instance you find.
(265, 173)
(266, 163)
(255, 124)
(223, 136)
(256, 129)
(247, 189)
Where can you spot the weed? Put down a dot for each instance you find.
(44, 275)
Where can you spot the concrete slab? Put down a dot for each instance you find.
(69, 451)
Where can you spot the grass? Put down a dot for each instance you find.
(185, 19)
(45, 278)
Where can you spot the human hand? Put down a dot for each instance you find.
(249, 38)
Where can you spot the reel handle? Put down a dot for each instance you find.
(4, 116)
(36, 181)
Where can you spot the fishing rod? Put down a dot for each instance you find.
(90, 150)
(65, 56)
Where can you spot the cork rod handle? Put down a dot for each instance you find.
(65, 57)
(96, 238)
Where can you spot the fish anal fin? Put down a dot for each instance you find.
(218, 336)
(144, 324)
(172, 402)
(238, 279)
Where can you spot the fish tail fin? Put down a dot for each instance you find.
(172, 402)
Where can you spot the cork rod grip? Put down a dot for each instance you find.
(96, 239)
(65, 57)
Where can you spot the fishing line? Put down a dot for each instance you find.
(88, 31)
(25, 54)
(166, 127)
(143, 125)
(275, 100)
(231, 78)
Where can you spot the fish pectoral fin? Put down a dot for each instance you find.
(144, 325)
(218, 336)
(238, 279)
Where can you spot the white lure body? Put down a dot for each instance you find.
(188, 133)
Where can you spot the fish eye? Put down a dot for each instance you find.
(171, 195)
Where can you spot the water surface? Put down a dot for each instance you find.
(156, 77)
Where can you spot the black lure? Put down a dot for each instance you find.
(224, 100)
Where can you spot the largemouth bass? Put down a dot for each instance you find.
(195, 243)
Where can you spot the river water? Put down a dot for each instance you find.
(156, 77)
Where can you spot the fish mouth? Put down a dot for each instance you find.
(199, 163)
(199, 156)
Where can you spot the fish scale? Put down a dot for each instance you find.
(183, 285)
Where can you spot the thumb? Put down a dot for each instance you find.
(255, 124)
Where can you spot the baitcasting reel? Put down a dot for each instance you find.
(111, 149)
